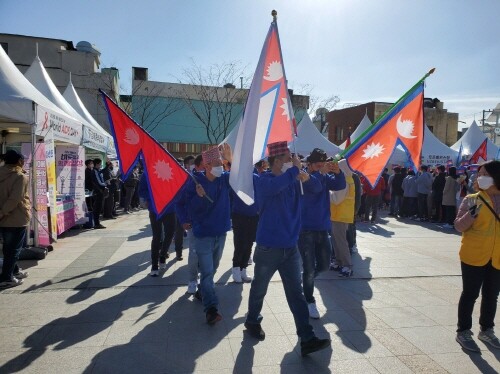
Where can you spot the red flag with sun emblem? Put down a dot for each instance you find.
(268, 116)
(403, 124)
(165, 176)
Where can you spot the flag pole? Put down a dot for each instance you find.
(274, 14)
(356, 141)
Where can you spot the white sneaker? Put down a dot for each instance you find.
(245, 277)
(192, 287)
(237, 275)
(154, 273)
(21, 274)
(313, 311)
(163, 266)
(11, 283)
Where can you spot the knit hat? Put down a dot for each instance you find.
(211, 155)
(277, 148)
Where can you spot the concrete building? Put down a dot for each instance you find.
(60, 58)
(341, 122)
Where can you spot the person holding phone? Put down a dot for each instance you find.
(479, 223)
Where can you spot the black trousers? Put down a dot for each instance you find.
(474, 279)
(450, 213)
(244, 232)
(179, 237)
(163, 233)
(97, 208)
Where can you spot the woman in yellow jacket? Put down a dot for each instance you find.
(478, 221)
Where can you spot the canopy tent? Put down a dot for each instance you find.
(362, 127)
(309, 137)
(94, 136)
(434, 152)
(472, 139)
(22, 106)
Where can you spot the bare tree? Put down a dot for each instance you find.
(150, 106)
(211, 95)
(326, 104)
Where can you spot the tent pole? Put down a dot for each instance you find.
(33, 179)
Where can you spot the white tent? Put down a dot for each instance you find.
(472, 139)
(362, 127)
(309, 137)
(434, 152)
(22, 107)
(94, 136)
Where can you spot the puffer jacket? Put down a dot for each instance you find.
(15, 205)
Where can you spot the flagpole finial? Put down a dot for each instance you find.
(274, 13)
(431, 71)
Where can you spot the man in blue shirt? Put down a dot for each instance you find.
(279, 199)
(314, 240)
(209, 209)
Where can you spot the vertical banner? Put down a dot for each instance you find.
(71, 177)
(50, 162)
(40, 200)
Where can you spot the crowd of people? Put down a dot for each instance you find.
(303, 222)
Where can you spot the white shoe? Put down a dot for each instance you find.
(245, 277)
(313, 311)
(21, 274)
(237, 275)
(192, 287)
(154, 273)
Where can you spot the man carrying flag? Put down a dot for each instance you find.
(279, 199)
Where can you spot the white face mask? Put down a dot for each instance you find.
(484, 182)
(286, 166)
(217, 171)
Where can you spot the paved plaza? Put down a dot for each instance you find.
(90, 307)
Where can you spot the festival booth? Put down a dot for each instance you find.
(70, 158)
(362, 127)
(469, 143)
(435, 153)
(27, 116)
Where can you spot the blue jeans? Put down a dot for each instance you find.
(13, 239)
(315, 248)
(209, 250)
(287, 262)
(192, 258)
(395, 204)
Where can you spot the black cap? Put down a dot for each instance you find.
(317, 155)
(12, 157)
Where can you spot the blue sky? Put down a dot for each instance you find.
(358, 49)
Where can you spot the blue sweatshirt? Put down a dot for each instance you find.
(209, 219)
(279, 201)
(239, 207)
(316, 204)
(182, 204)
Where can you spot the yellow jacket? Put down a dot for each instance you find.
(480, 241)
(343, 211)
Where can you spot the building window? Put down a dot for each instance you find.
(339, 136)
(5, 47)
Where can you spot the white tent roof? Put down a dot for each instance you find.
(17, 96)
(309, 137)
(434, 152)
(94, 135)
(471, 141)
(39, 77)
(362, 127)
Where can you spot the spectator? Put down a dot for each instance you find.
(437, 193)
(424, 187)
(451, 188)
